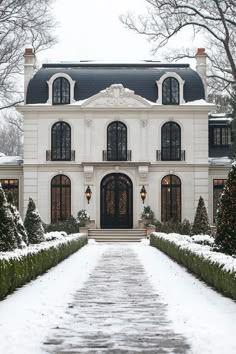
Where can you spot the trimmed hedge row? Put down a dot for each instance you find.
(16, 271)
(212, 273)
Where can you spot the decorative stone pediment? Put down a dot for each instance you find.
(116, 96)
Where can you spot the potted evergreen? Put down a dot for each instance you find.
(83, 217)
(148, 217)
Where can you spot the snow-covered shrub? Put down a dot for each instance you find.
(21, 266)
(216, 269)
(8, 231)
(33, 223)
(204, 240)
(201, 224)
(22, 237)
(70, 226)
(173, 226)
(55, 235)
(147, 215)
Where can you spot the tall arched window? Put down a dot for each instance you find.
(170, 91)
(170, 142)
(61, 142)
(60, 198)
(171, 198)
(61, 91)
(117, 142)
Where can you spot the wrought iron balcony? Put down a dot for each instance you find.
(167, 156)
(119, 155)
(63, 156)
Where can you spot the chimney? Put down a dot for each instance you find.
(201, 66)
(29, 65)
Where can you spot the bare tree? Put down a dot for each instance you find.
(22, 23)
(215, 20)
(11, 143)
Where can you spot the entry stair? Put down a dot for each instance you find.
(117, 235)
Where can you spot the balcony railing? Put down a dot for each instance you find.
(164, 157)
(117, 155)
(68, 156)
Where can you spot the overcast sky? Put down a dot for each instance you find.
(91, 30)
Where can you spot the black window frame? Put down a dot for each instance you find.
(171, 208)
(170, 91)
(64, 205)
(117, 141)
(218, 187)
(11, 185)
(171, 142)
(60, 94)
(220, 139)
(61, 142)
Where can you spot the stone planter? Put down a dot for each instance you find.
(84, 229)
(150, 229)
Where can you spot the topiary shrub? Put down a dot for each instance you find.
(33, 223)
(201, 224)
(8, 231)
(226, 216)
(22, 237)
(70, 226)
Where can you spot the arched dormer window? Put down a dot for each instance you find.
(170, 89)
(61, 142)
(170, 198)
(60, 198)
(60, 89)
(117, 142)
(170, 142)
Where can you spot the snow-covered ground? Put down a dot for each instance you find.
(206, 318)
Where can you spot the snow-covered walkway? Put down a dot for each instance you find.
(117, 298)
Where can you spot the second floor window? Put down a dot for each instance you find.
(170, 91)
(221, 136)
(61, 142)
(170, 142)
(61, 91)
(117, 142)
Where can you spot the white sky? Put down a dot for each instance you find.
(91, 30)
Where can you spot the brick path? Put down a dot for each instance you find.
(117, 311)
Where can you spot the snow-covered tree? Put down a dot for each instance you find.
(201, 221)
(22, 238)
(8, 232)
(33, 223)
(226, 215)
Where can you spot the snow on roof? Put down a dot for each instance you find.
(199, 103)
(10, 160)
(220, 161)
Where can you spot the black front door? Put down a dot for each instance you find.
(116, 201)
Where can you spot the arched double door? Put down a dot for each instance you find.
(116, 201)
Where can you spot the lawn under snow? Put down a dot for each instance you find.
(205, 317)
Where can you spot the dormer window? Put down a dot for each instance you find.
(61, 91)
(170, 91)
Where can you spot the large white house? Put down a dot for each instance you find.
(117, 128)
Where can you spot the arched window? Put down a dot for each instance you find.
(60, 198)
(170, 91)
(171, 198)
(61, 91)
(61, 142)
(170, 142)
(117, 142)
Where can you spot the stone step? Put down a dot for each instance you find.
(117, 235)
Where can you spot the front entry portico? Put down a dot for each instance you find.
(116, 201)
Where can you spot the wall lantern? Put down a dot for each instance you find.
(88, 194)
(143, 193)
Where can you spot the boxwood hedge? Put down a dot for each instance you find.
(18, 269)
(210, 272)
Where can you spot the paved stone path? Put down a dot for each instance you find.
(117, 311)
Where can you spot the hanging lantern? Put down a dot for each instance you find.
(88, 194)
(143, 193)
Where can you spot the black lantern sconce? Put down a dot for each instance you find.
(143, 193)
(88, 194)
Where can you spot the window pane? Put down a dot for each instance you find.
(61, 141)
(171, 198)
(170, 91)
(171, 142)
(11, 185)
(61, 91)
(117, 142)
(60, 198)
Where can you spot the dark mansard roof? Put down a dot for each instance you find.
(92, 77)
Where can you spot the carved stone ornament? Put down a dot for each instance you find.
(88, 123)
(116, 96)
(143, 174)
(88, 174)
(143, 123)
